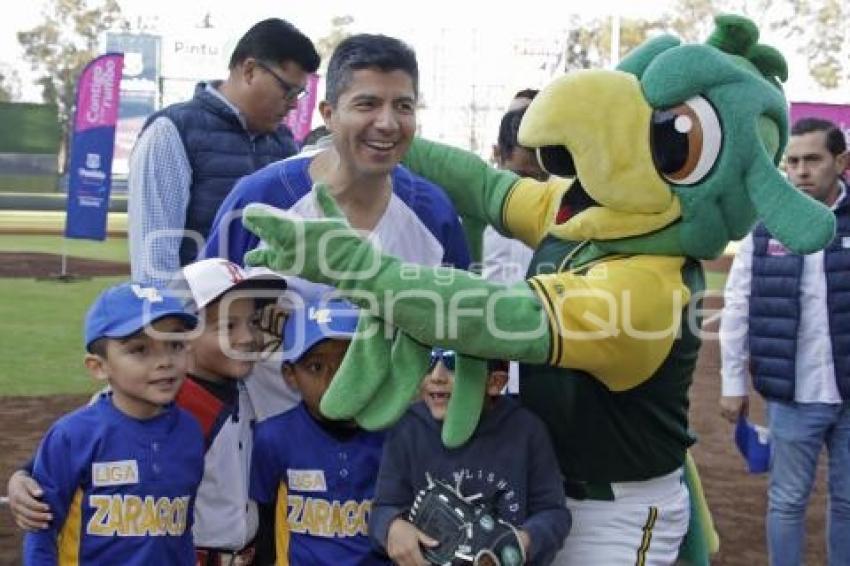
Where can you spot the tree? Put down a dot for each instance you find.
(339, 31)
(693, 20)
(820, 26)
(817, 27)
(10, 83)
(588, 43)
(62, 45)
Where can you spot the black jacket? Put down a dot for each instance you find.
(509, 450)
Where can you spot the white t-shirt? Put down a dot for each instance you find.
(505, 261)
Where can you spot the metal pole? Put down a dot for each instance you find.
(64, 273)
(615, 39)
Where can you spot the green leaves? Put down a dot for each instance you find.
(62, 44)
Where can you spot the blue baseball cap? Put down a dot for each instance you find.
(753, 442)
(125, 309)
(314, 321)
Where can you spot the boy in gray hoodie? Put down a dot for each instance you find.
(509, 459)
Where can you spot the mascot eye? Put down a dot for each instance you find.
(556, 160)
(686, 141)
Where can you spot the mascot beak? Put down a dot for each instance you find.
(602, 119)
(599, 123)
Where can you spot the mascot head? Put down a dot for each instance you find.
(675, 152)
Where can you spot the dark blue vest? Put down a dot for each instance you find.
(775, 310)
(220, 151)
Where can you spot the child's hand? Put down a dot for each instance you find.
(403, 542)
(29, 512)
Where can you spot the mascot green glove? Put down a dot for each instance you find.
(390, 365)
(662, 162)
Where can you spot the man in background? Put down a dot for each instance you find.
(786, 322)
(189, 155)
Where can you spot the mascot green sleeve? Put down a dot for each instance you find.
(659, 164)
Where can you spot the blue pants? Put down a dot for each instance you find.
(798, 432)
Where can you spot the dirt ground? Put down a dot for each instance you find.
(23, 421)
(13, 264)
(737, 500)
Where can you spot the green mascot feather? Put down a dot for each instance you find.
(659, 163)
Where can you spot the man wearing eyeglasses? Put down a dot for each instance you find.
(189, 155)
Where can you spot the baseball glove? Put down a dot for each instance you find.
(269, 321)
(468, 531)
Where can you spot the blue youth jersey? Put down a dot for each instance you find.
(323, 488)
(121, 490)
(420, 224)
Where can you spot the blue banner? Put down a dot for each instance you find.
(92, 145)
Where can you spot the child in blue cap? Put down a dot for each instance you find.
(314, 479)
(225, 298)
(120, 475)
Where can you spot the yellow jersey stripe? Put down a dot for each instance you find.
(68, 541)
(549, 306)
(618, 320)
(282, 534)
(652, 516)
(507, 203)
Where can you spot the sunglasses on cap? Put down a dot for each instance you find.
(448, 358)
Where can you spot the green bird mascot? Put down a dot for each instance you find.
(658, 164)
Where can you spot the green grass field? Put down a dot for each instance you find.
(111, 249)
(50, 222)
(41, 322)
(42, 327)
(30, 183)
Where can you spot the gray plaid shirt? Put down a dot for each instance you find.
(158, 183)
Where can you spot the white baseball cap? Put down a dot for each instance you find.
(208, 279)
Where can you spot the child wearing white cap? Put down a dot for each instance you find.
(226, 298)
